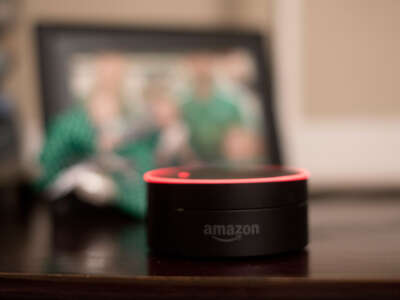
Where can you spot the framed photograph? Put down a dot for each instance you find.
(155, 97)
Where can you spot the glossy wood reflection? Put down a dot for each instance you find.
(353, 240)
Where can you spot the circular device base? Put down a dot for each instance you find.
(227, 212)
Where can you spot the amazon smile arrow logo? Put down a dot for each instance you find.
(227, 233)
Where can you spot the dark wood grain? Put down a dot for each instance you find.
(157, 287)
(70, 250)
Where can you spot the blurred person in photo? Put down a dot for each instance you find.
(173, 146)
(94, 143)
(207, 109)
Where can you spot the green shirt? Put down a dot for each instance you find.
(71, 139)
(208, 121)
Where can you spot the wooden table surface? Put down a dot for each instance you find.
(67, 251)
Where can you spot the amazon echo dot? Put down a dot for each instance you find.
(216, 211)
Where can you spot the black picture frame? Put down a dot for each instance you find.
(57, 42)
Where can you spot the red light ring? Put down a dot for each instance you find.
(155, 176)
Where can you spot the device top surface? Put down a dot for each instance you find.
(224, 174)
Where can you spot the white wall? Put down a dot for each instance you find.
(341, 146)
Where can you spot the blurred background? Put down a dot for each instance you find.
(332, 70)
(335, 70)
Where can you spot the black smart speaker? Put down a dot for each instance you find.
(216, 211)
